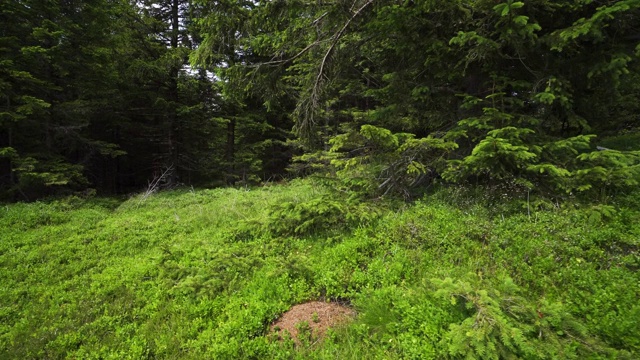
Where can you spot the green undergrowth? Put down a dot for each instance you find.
(196, 274)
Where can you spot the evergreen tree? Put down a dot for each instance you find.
(56, 73)
(519, 87)
(256, 114)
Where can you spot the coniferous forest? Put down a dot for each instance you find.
(462, 174)
(110, 96)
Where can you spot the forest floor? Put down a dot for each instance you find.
(299, 271)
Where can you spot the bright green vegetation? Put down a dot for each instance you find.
(201, 274)
(479, 163)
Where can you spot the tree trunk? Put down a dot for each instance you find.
(174, 126)
(230, 150)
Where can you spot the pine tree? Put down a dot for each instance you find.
(504, 80)
(56, 73)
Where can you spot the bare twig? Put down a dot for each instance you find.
(301, 52)
(316, 21)
(284, 61)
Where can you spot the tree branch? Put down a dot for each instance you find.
(336, 38)
(308, 106)
(284, 61)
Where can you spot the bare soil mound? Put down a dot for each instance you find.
(312, 318)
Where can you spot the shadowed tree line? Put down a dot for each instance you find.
(387, 96)
(98, 95)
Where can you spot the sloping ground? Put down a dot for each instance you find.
(204, 274)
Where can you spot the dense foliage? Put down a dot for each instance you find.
(202, 274)
(98, 95)
(505, 92)
(473, 169)
(111, 95)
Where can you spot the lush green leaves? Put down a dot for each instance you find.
(203, 273)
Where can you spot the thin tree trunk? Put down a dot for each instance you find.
(174, 127)
(12, 179)
(230, 149)
(175, 23)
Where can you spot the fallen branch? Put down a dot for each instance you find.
(154, 185)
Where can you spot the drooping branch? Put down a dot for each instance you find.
(300, 53)
(337, 38)
(308, 107)
(287, 60)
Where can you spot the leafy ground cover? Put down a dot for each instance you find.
(195, 274)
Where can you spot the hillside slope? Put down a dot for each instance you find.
(202, 274)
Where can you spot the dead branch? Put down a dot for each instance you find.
(336, 38)
(307, 107)
(155, 184)
(284, 61)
